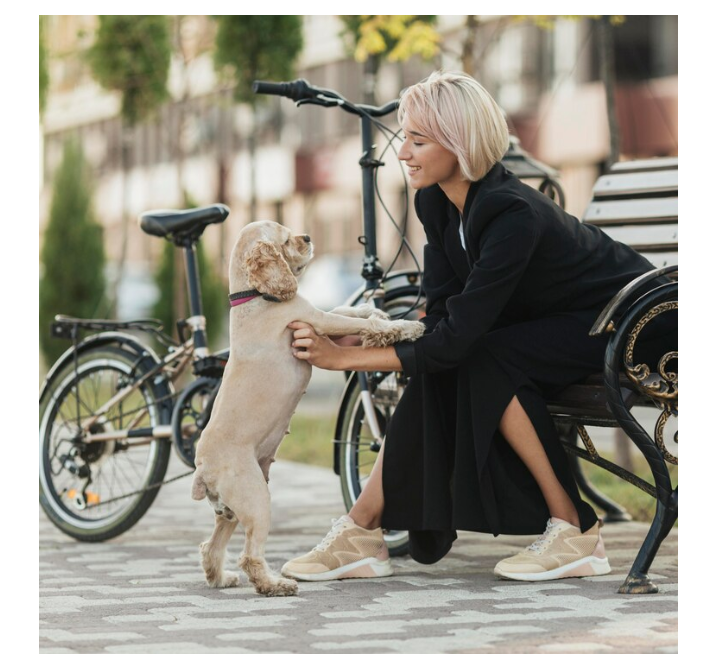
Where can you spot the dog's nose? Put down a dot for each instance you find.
(306, 238)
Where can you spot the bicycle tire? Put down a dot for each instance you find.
(114, 471)
(191, 404)
(356, 447)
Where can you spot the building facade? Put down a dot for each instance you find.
(547, 80)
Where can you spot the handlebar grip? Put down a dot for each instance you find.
(296, 90)
(269, 88)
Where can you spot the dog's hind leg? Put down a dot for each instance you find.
(213, 554)
(251, 501)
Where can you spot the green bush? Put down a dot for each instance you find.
(72, 255)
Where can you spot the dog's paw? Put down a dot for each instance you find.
(382, 334)
(379, 314)
(411, 330)
(277, 587)
(229, 579)
(225, 579)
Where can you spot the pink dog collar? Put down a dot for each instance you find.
(239, 302)
(242, 297)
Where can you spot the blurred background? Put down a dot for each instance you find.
(148, 112)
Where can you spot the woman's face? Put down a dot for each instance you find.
(428, 162)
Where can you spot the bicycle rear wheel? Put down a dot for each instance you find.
(90, 490)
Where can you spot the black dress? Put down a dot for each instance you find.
(509, 316)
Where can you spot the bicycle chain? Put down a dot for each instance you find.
(144, 490)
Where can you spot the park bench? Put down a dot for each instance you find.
(635, 203)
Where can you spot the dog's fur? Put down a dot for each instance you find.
(260, 390)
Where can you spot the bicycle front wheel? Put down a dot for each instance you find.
(358, 440)
(89, 482)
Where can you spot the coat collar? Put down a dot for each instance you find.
(495, 174)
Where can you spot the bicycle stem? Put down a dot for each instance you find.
(371, 271)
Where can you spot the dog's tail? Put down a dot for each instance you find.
(199, 490)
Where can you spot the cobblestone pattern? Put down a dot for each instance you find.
(144, 592)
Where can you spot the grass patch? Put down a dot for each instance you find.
(638, 503)
(310, 441)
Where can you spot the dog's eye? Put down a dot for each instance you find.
(287, 242)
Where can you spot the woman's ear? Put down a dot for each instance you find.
(268, 272)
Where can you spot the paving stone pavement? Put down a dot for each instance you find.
(144, 592)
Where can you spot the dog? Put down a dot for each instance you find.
(261, 387)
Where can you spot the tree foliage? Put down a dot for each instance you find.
(257, 47)
(396, 38)
(72, 256)
(43, 66)
(548, 21)
(131, 54)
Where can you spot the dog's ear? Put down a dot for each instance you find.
(268, 272)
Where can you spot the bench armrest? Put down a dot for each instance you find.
(604, 319)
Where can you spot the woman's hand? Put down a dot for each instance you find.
(342, 354)
(317, 350)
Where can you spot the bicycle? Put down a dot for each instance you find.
(108, 411)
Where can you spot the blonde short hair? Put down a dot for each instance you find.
(457, 112)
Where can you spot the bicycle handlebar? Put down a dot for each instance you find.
(301, 92)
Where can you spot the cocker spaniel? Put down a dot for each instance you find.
(261, 387)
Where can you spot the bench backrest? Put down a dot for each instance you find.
(637, 203)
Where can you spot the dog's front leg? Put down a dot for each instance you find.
(363, 311)
(374, 332)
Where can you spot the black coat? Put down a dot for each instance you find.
(509, 316)
(525, 259)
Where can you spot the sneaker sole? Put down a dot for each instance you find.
(368, 568)
(590, 566)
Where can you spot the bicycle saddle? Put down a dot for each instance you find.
(190, 222)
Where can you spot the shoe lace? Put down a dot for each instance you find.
(337, 527)
(542, 541)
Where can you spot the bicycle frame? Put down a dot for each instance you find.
(181, 355)
(171, 366)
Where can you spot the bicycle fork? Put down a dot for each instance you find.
(370, 412)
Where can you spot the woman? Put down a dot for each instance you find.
(513, 286)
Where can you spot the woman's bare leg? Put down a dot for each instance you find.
(518, 430)
(368, 507)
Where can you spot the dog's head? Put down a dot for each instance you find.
(274, 257)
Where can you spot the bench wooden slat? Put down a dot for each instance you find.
(653, 164)
(637, 183)
(637, 211)
(652, 237)
(662, 259)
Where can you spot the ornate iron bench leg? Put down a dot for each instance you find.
(638, 580)
(664, 392)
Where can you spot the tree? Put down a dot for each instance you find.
(43, 66)
(72, 256)
(131, 55)
(256, 47)
(397, 38)
(171, 283)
